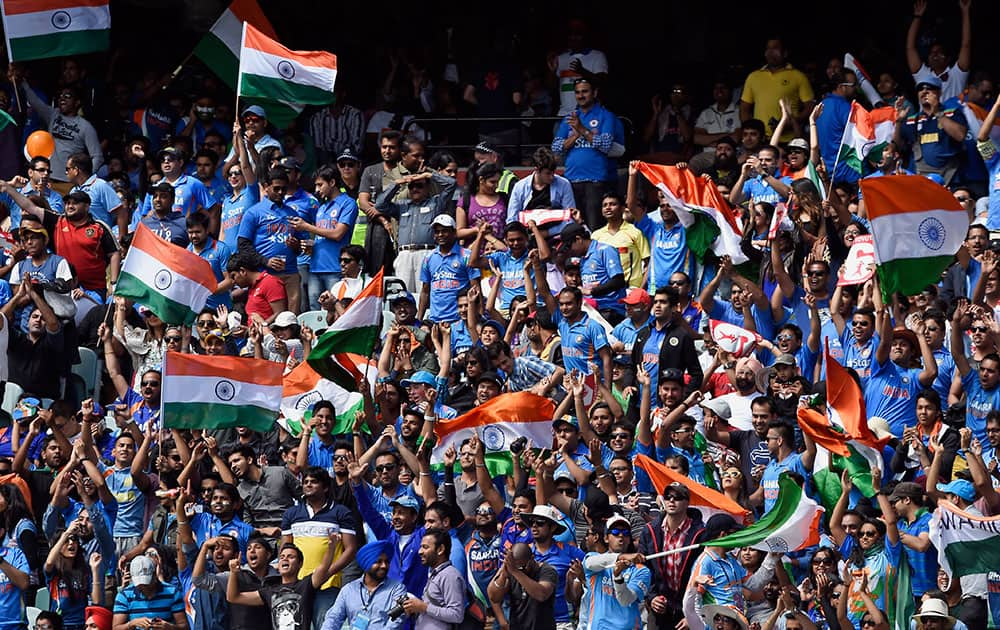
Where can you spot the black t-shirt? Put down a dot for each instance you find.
(753, 452)
(31, 364)
(540, 199)
(290, 605)
(529, 614)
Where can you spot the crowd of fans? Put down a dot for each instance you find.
(575, 282)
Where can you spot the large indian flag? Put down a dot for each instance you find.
(708, 221)
(280, 79)
(213, 392)
(171, 281)
(303, 387)
(352, 335)
(792, 524)
(220, 47)
(866, 133)
(37, 29)
(498, 422)
(917, 227)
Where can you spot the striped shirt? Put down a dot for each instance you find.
(163, 605)
(336, 133)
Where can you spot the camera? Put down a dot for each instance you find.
(397, 611)
(517, 446)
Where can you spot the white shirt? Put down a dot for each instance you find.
(592, 60)
(953, 79)
(714, 121)
(739, 404)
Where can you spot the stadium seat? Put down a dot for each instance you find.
(89, 370)
(42, 599)
(11, 394)
(313, 319)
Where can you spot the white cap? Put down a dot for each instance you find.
(142, 570)
(444, 221)
(284, 320)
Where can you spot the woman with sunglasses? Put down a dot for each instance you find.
(243, 181)
(821, 590)
(70, 581)
(733, 486)
(146, 344)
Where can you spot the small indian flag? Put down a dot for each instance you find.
(350, 338)
(220, 47)
(704, 499)
(273, 73)
(303, 387)
(38, 29)
(212, 392)
(917, 227)
(171, 281)
(866, 134)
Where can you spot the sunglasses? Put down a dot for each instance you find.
(346, 260)
(205, 323)
(825, 560)
(235, 173)
(173, 339)
(347, 164)
(619, 531)
(860, 323)
(979, 329)
(385, 468)
(340, 458)
(151, 383)
(620, 436)
(868, 534)
(732, 475)
(815, 274)
(673, 497)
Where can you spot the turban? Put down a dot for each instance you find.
(368, 554)
(102, 616)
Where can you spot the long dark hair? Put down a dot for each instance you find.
(77, 576)
(857, 557)
(17, 508)
(477, 174)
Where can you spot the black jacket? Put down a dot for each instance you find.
(677, 351)
(651, 542)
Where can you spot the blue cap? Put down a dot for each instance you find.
(492, 323)
(403, 296)
(405, 501)
(422, 377)
(930, 80)
(256, 110)
(567, 419)
(26, 408)
(960, 487)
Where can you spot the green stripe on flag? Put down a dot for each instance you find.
(216, 416)
(909, 276)
(849, 157)
(972, 557)
(342, 425)
(59, 44)
(169, 311)
(789, 495)
(278, 114)
(6, 119)
(219, 59)
(701, 234)
(256, 86)
(497, 463)
(359, 341)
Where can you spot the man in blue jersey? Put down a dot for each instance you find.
(104, 202)
(760, 181)
(859, 340)
(600, 271)
(583, 340)
(39, 171)
(190, 194)
(267, 230)
(896, 376)
(444, 273)
(982, 389)
(619, 580)
(510, 258)
(216, 253)
(781, 448)
(164, 220)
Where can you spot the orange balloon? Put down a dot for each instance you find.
(40, 143)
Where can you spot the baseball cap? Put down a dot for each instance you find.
(718, 525)
(906, 490)
(347, 154)
(622, 359)
(256, 110)
(490, 376)
(785, 359)
(405, 501)
(678, 489)
(799, 143)
(672, 374)
(171, 151)
(567, 419)
(290, 163)
(163, 187)
(571, 231)
(930, 80)
(444, 221)
(142, 569)
(78, 196)
(284, 320)
(421, 377)
(617, 519)
(960, 487)
(406, 295)
(36, 230)
(636, 295)
(719, 407)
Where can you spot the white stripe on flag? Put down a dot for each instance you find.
(496, 437)
(22, 25)
(181, 289)
(229, 30)
(206, 389)
(912, 224)
(264, 64)
(362, 313)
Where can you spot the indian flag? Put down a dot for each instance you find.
(280, 79)
(210, 392)
(498, 422)
(706, 500)
(303, 387)
(792, 524)
(843, 439)
(352, 335)
(173, 282)
(220, 47)
(38, 29)
(866, 133)
(917, 227)
(967, 544)
(706, 216)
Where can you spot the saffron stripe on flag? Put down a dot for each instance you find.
(174, 257)
(14, 7)
(225, 367)
(256, 40)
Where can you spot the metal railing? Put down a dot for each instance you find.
(517, 141)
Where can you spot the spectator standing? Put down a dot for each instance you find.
(719, 120)
(935, 133)
(242, 179)
(952, 77)
(375, 179)
(585, 137)
(632, 245)
(530, 586)
(544, 189)
(443, 602)
(619, 603)
(778, 79)
(834, 112)
(337, 128)
(104, 202)
(578, 61)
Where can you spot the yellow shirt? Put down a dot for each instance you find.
(763, 89)
(632, 246)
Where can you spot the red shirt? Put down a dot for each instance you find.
(86, 247)
(267, 289)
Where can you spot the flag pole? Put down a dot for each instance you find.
(239, 75)
(836, 160)
(671, 552)
(177, 70)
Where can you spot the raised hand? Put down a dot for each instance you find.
(449, 457)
